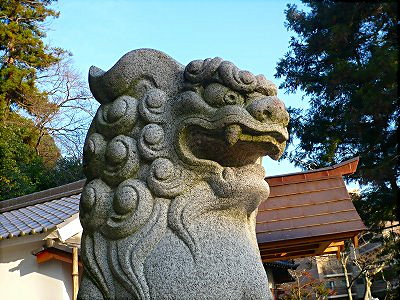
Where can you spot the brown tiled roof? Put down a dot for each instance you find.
(307, 213)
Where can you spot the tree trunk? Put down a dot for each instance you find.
(299, 288)
(367, 293)
(388, 286)
(348, 286)
(343, 262)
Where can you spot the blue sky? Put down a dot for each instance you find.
(249, 33)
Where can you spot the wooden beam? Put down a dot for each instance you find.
(55, 254)
(290, 248)
(322, 247)
(44, 256)
(338, 254)
(298, 251)
(355, 241)
(331, 250)
(338, 237)
(284, 256)
(269, 259)
(75, 273)
(337, 244)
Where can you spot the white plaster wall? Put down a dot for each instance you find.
(21, 277)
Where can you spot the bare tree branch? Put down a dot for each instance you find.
(72, 107)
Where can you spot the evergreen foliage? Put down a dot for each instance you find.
(66, 170)
(21, 168)
(29, 158)
(23, 54)
(345, 58)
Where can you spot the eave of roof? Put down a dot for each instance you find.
(283, 264)
(39, 212)
(347, 167)
(307, 214)
(42, 196)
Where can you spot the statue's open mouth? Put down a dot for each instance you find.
(234, 145)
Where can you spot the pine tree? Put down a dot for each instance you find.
(344, 56)
(23, 54)
(27, 152)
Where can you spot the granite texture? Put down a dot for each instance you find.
(173, 182)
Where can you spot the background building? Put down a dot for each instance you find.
(307, 214)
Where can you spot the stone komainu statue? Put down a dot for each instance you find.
(173, 179)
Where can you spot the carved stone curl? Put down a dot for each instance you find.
(174, 183)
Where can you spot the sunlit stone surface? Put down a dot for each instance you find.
(173, 183)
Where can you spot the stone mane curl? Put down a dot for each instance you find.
(224, 72)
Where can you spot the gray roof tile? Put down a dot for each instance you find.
(39, 217)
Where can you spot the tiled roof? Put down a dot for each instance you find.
(307, 213)
(39, 212)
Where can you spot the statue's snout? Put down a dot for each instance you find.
(269, 109)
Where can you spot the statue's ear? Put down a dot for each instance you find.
(134, 73)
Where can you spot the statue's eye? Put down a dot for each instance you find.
(218, 95)
(232, 98)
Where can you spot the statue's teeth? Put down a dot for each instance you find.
(232, 134)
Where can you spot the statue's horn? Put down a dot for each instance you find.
(159, 68)
(95, 78)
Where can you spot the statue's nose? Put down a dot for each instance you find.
(269, 109)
